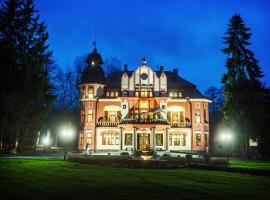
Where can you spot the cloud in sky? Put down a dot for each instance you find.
(184, 34)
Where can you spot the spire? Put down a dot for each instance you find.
(95, 45)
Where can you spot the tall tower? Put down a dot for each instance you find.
(91, 88)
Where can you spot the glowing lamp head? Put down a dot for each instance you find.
(46, 141)
(226, 136)
(67, 133)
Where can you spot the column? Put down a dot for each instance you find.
(120, 138)
(154, 138)
(167, 138)
(134, 139)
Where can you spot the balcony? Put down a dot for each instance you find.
(107, 124)
(143, 121)
(180, 124)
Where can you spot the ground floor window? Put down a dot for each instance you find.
(198, 139)
(128, 139)
(206, 140)
(88, 138)
(177, 139)
(159, 139)
(81, 138)
(110, 138)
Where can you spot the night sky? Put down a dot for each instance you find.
(185, 34)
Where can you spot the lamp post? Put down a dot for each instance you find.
(67, 134)
(226, 137)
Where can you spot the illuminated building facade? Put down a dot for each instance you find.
(141, 110)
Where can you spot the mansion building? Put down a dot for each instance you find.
(141, 110)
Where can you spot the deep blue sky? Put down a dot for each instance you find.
(185, 34)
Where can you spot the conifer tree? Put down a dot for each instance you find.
(25, 66)
(242, 84)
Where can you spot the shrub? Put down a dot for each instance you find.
(165, 155)
(188, 158)
(124, 153)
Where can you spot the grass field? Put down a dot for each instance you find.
(56, 179)
(251, 164)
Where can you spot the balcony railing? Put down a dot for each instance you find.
(143, 121)
(180, 124)
(107, 124)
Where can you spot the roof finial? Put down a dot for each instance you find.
(144, 62)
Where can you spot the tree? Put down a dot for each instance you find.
(112, 65)
(26, 61)
(215, 114)
(216, 96)
(242, 86)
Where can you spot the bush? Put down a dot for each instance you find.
(137, 153)
(188, 158)
(124, 153)
(165, 156)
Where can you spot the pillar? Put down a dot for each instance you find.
(121, 138)
(167, 138)
(134, 139)
(154, 138)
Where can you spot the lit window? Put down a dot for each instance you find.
(159, 139)
(116, 93)
(90, 116)
(171, 94)
(112, 94)
(198, 139)
(197, 116)
(89, 138)
(174, 139)
(82, 116)
(107, 93)
(128, 139)
(183, 140)
(110, 138)
(81, 138)
(205, 116)
(175, 94)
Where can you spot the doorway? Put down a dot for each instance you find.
(143, 141)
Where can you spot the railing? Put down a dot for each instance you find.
(180, 124)
(143, 121)
(107, 124)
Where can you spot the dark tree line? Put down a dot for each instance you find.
(25, 65)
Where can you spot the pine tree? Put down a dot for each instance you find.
(242, 84)
(25, 68)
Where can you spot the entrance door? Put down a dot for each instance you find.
(143, 141)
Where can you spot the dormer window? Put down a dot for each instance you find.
(175, 94)
(112, 94)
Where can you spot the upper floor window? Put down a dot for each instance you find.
(90, 116)
(197, 116)
(112, 94)
(175, 94)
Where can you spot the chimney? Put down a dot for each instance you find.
(175, 71)
(161, 68)
(125, 67)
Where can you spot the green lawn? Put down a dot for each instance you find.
(251, 164)
(56, 179)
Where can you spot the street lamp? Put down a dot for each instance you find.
(67, 134)
(226, 137)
